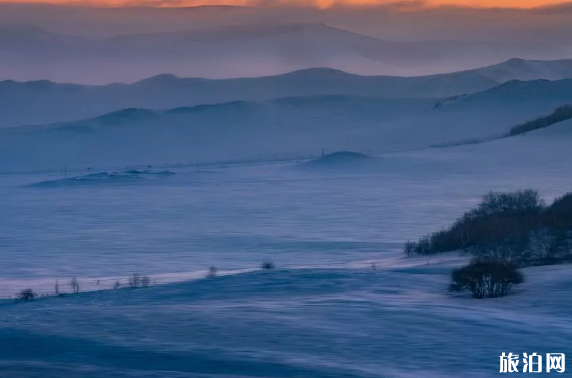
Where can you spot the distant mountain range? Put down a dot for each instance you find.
(240, 51)
(287, 126)
(40, 102)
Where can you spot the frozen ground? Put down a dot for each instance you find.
(391, 322)
(323, 313)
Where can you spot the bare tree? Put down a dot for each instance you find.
(135, 281)
(74, 283)
(145, 281)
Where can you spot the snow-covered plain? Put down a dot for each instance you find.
(324, 312)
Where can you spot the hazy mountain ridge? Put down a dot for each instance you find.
(240, 51)
(39, 102)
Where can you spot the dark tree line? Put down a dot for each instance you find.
(562, 113)
(515, 227)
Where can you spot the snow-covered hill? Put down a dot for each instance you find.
(40, 102)
(521, 69)
(323, 231)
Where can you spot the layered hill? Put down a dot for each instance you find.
(240, 51)
(292, 126)
(40, 102)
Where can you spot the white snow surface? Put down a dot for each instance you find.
(391, 322)
(324, 312)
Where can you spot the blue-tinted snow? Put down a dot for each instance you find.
(323, 313)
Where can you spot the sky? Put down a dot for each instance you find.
(524, 4)
(408, 20)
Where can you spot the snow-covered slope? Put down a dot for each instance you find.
(324, 312)
(236, 130)
(392, 322)
(521, 69)
(511, 103)
(546, 149)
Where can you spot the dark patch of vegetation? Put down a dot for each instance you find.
(447, 100)
(341, 157)
(513, 227)
(267, 265)
(559, 215)
(562, 113)
(26, 295)
(485, 278)
(145, 281)
(135, 281)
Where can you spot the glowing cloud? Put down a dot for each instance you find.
(522, 4)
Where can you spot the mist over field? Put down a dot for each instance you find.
(284, 190)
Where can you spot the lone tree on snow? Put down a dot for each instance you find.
(74, 283)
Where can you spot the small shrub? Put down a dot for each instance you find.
(485, 278)
(212, 272)
(117, 285)
(267, 265)
(74, 283)
(135, 281)
(26, 295)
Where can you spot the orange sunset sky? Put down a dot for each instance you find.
(319, 3)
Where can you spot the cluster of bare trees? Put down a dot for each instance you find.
(134, 281)
(515, 227)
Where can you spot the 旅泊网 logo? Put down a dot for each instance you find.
(532, 363)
